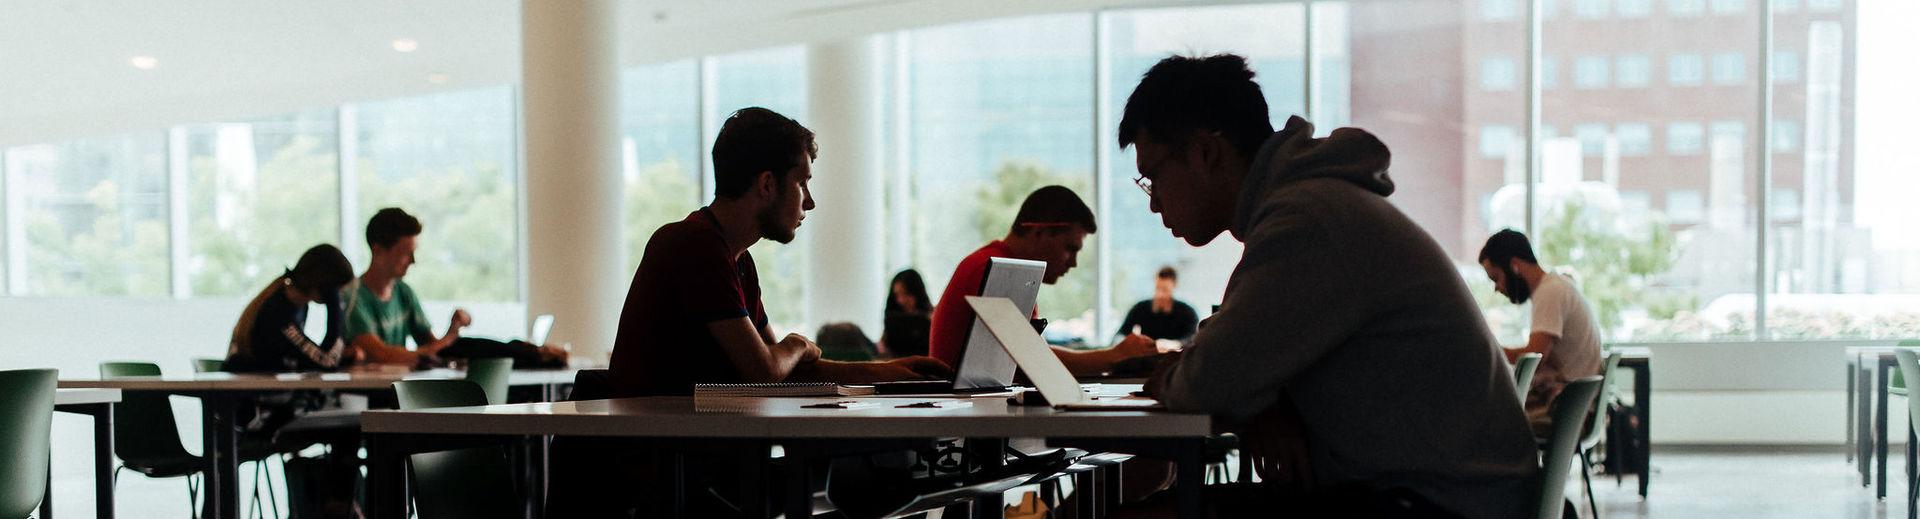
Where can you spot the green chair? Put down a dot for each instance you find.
(1909, 362)
(147, 440)
(1897, 384)
(26, 436)
(1597, 428)
(1523, 369)
(209, 365)
(475, 482)
(1569, 411)
(491, 374)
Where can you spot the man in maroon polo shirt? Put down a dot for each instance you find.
(693, 313)
(1051, 226)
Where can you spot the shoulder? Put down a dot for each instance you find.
(1183, 307)
(684, 239)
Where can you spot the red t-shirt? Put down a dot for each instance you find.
(952, 317)
(687, 278)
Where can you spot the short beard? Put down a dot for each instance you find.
(1518, 291)
(771, 229)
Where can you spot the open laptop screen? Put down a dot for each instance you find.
(985, 364)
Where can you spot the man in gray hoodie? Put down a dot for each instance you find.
(1343, 318)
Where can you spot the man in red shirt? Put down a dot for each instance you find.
(693, 313)
(1051, 226)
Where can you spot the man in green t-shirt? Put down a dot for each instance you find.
(382, 311)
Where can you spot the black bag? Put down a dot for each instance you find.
(524, 355)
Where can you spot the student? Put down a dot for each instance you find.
(1050, 227)
(909, 316)
(1161, 317)
(1344, 321)
(693, 312)
(271, 335)
(1564, 332)
(383, 311)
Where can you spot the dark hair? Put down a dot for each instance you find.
(389, 225)
(916, 287)
(1053, 207)
(754, 140)
(1168, 274)
(1182, 94)
(320, 269)
(1506, 245)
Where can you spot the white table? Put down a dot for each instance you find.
(98, 404)
(754, 422)
(222, 394)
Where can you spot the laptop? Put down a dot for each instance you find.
(986, 367)
(1044, 370)
(542, 325)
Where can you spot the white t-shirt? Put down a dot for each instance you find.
(1559, 310)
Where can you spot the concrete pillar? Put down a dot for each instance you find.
(848, 278)
(570, 109)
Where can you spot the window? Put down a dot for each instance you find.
(1825, 6)
(1729, 69)
(1499, 10)
(775, 79)
(1549, 73)
(1732, 131)
(1786, 66)
(1785, 6)
(1729, 6)
(1590, 72)
(1680, 8)
(660, 149)
(1685, 206)
(1784, 205)
(1636, 139)
(89, 217)
(449, 160)
(1593, 138)
(1685, 70)
(1633, 70)
(1633, 8)
(259, 194)
(1590, 9)
(1786, 136)
(1497, 74)
(1496, 139)
(1685, 138)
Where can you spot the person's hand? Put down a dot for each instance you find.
(809, 352)
(1161, 372)
(924, 367)
(552, 354)
(461, 319)
(1135, 345)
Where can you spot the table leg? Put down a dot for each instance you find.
(1911, 469)
(386, 476)
(988, 454)
(103, 461)
(753, 482)
(1643, 409)
(1852, 394)
(1880, 432)
(1862, 441)
(1190, 478)
(220, 491)
(799, 484)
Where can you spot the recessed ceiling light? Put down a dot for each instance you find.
(406, 45)
(144, 62)
(437, 78)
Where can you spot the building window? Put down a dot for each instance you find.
(1729, 6)
(1549, 73)
(1729, 69)
(1786, 66)
(1786, 136)
(1636, 139)
(1785, 6)
(1590, 9)
(1590, 72)
(1499, 10)
(1633, 70)
(1685, 206)
(1686, 7)
(1685, 70)
(1730, 131)
(1497, 74)
(1593, 138)
(1824, 5)
(1496, 139)
(1684, 138)
(1633, 8)
(1784, 204)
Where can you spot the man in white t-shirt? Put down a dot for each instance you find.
(1564, 331)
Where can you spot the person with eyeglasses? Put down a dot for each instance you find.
(1051, 226)
(1347, 352)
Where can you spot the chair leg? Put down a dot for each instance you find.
(193, 495)
(1586, 474)
(273, 495)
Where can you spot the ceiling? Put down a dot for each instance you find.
(66, 66)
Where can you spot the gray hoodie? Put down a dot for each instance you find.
(1344, 306)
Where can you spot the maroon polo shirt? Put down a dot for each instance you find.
(687, 279)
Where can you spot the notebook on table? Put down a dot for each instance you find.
(780, 389)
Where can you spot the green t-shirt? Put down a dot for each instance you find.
(393, 320)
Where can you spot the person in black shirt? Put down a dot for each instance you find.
(1161, 317)
(909, 315)
(271, 335)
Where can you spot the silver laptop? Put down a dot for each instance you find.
(985, 366)
(1010, 329)
(542, 325)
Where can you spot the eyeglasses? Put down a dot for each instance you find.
(1145, 180)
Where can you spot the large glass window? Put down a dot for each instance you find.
(89, 217)
(448, 159)
(259, 193)
(659, 149)
(775, 79)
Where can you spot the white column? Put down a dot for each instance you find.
(848, 278)
(570, 106)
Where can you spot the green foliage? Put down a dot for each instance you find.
(467, 249)
(1614, 266)
(997, 203)
(292, 205)
(663, 193)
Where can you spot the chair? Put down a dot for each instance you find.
(26, 430)
(492, 376)
(1569, 411)
(209, 365)
(476, 482)
(1523, 373)
(147, 440)
(1909, 363)
(1597, 428)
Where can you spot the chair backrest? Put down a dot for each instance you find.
(1523, 369)
(1909, 361)
(1598, 429)
(491, 374)
(475, 482)
(209, 365)
(143, 426)
(592, 384)
(1899, 379)
(26, 430)
(1569, 410)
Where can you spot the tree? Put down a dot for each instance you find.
(1616, 264)
(998, 202)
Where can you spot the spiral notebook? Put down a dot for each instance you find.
(781, 389)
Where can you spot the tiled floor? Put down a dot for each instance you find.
(1687, 483)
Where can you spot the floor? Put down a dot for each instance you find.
(1688, 483)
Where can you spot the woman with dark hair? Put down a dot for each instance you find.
(271, 335)
(909, 315)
